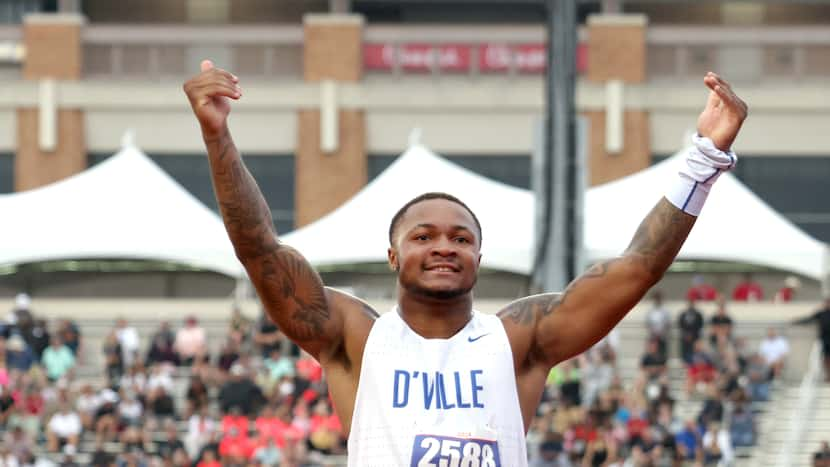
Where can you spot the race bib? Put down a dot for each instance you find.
(445, 451)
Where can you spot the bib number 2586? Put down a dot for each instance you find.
(443, 451)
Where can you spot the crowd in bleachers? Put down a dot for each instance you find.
(260, 401)
(589, 417)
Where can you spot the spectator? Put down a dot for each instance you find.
(191, 341)
(19, 443)
(101, 458)
(161, 351)
(701, 370)
(130, 410)
(18, 355)
(228, 355)
(774, 349)
(552, 453)
(200, 429)
(171, 442)
(787, 293)
(160, 376)
(129, 340)
(748, 290)
(160, 403)
(688, 442)
(742, 427)
(70, 335)
(241, 392)
(64, 428)
(105, 421)
(720, 325)
(38, 338)
(267, 337)
(239, 327)
(164, 333)
(690, 323)
(113, 357)
(822, 319)
(86, 404)
(653, 363)
(821, 458)
(700, 291)
(658, 323)
(197, 396)
(717, 446)
(268, 453)
(58, 359)
(279, 366)
(758, 378)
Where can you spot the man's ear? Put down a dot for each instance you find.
(392, 256)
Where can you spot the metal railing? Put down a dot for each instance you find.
(803, 411)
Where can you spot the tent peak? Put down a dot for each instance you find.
(414, 137)
(128, 139)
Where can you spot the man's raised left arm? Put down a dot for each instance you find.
(559, 326)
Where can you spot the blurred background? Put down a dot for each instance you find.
(110, 226)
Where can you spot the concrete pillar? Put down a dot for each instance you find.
(325, 180)
(617, 51)
(53, 51)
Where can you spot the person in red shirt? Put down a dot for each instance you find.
(787, 293)
(700, 291)
(748, 290)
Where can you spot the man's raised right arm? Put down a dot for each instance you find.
(290, 289)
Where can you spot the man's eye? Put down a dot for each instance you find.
(422, 237)
(462, 240)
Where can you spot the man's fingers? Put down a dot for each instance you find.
(212, 90)
(206, 65)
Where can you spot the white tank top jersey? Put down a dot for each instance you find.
(437, 402)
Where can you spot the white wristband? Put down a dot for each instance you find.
(703, 165)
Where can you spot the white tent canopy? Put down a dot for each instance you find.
(357, 231)
(126, 207)
(735, 225)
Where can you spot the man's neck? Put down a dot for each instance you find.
(434, 318)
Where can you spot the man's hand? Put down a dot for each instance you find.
(724, 113)
(208, 93)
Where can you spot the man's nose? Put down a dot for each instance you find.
(443, 247)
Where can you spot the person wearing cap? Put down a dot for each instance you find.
(240, 391)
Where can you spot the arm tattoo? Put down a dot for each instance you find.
(294, 294)
(289, 288)
(660, 236)
(244, 210)
(526, 312)
(529, 311)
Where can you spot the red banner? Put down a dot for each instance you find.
(492, 57)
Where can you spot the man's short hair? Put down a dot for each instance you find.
(396, 219)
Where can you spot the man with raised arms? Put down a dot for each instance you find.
(434, 382)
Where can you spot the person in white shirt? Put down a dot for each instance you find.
(774, 348)
(64, 427)
(129, 340)
(658, 322)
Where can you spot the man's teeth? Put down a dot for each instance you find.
(442, 269)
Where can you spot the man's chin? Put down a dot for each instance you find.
(439, 294)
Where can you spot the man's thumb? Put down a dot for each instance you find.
(206, 65)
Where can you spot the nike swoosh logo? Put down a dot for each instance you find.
(473, 339)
